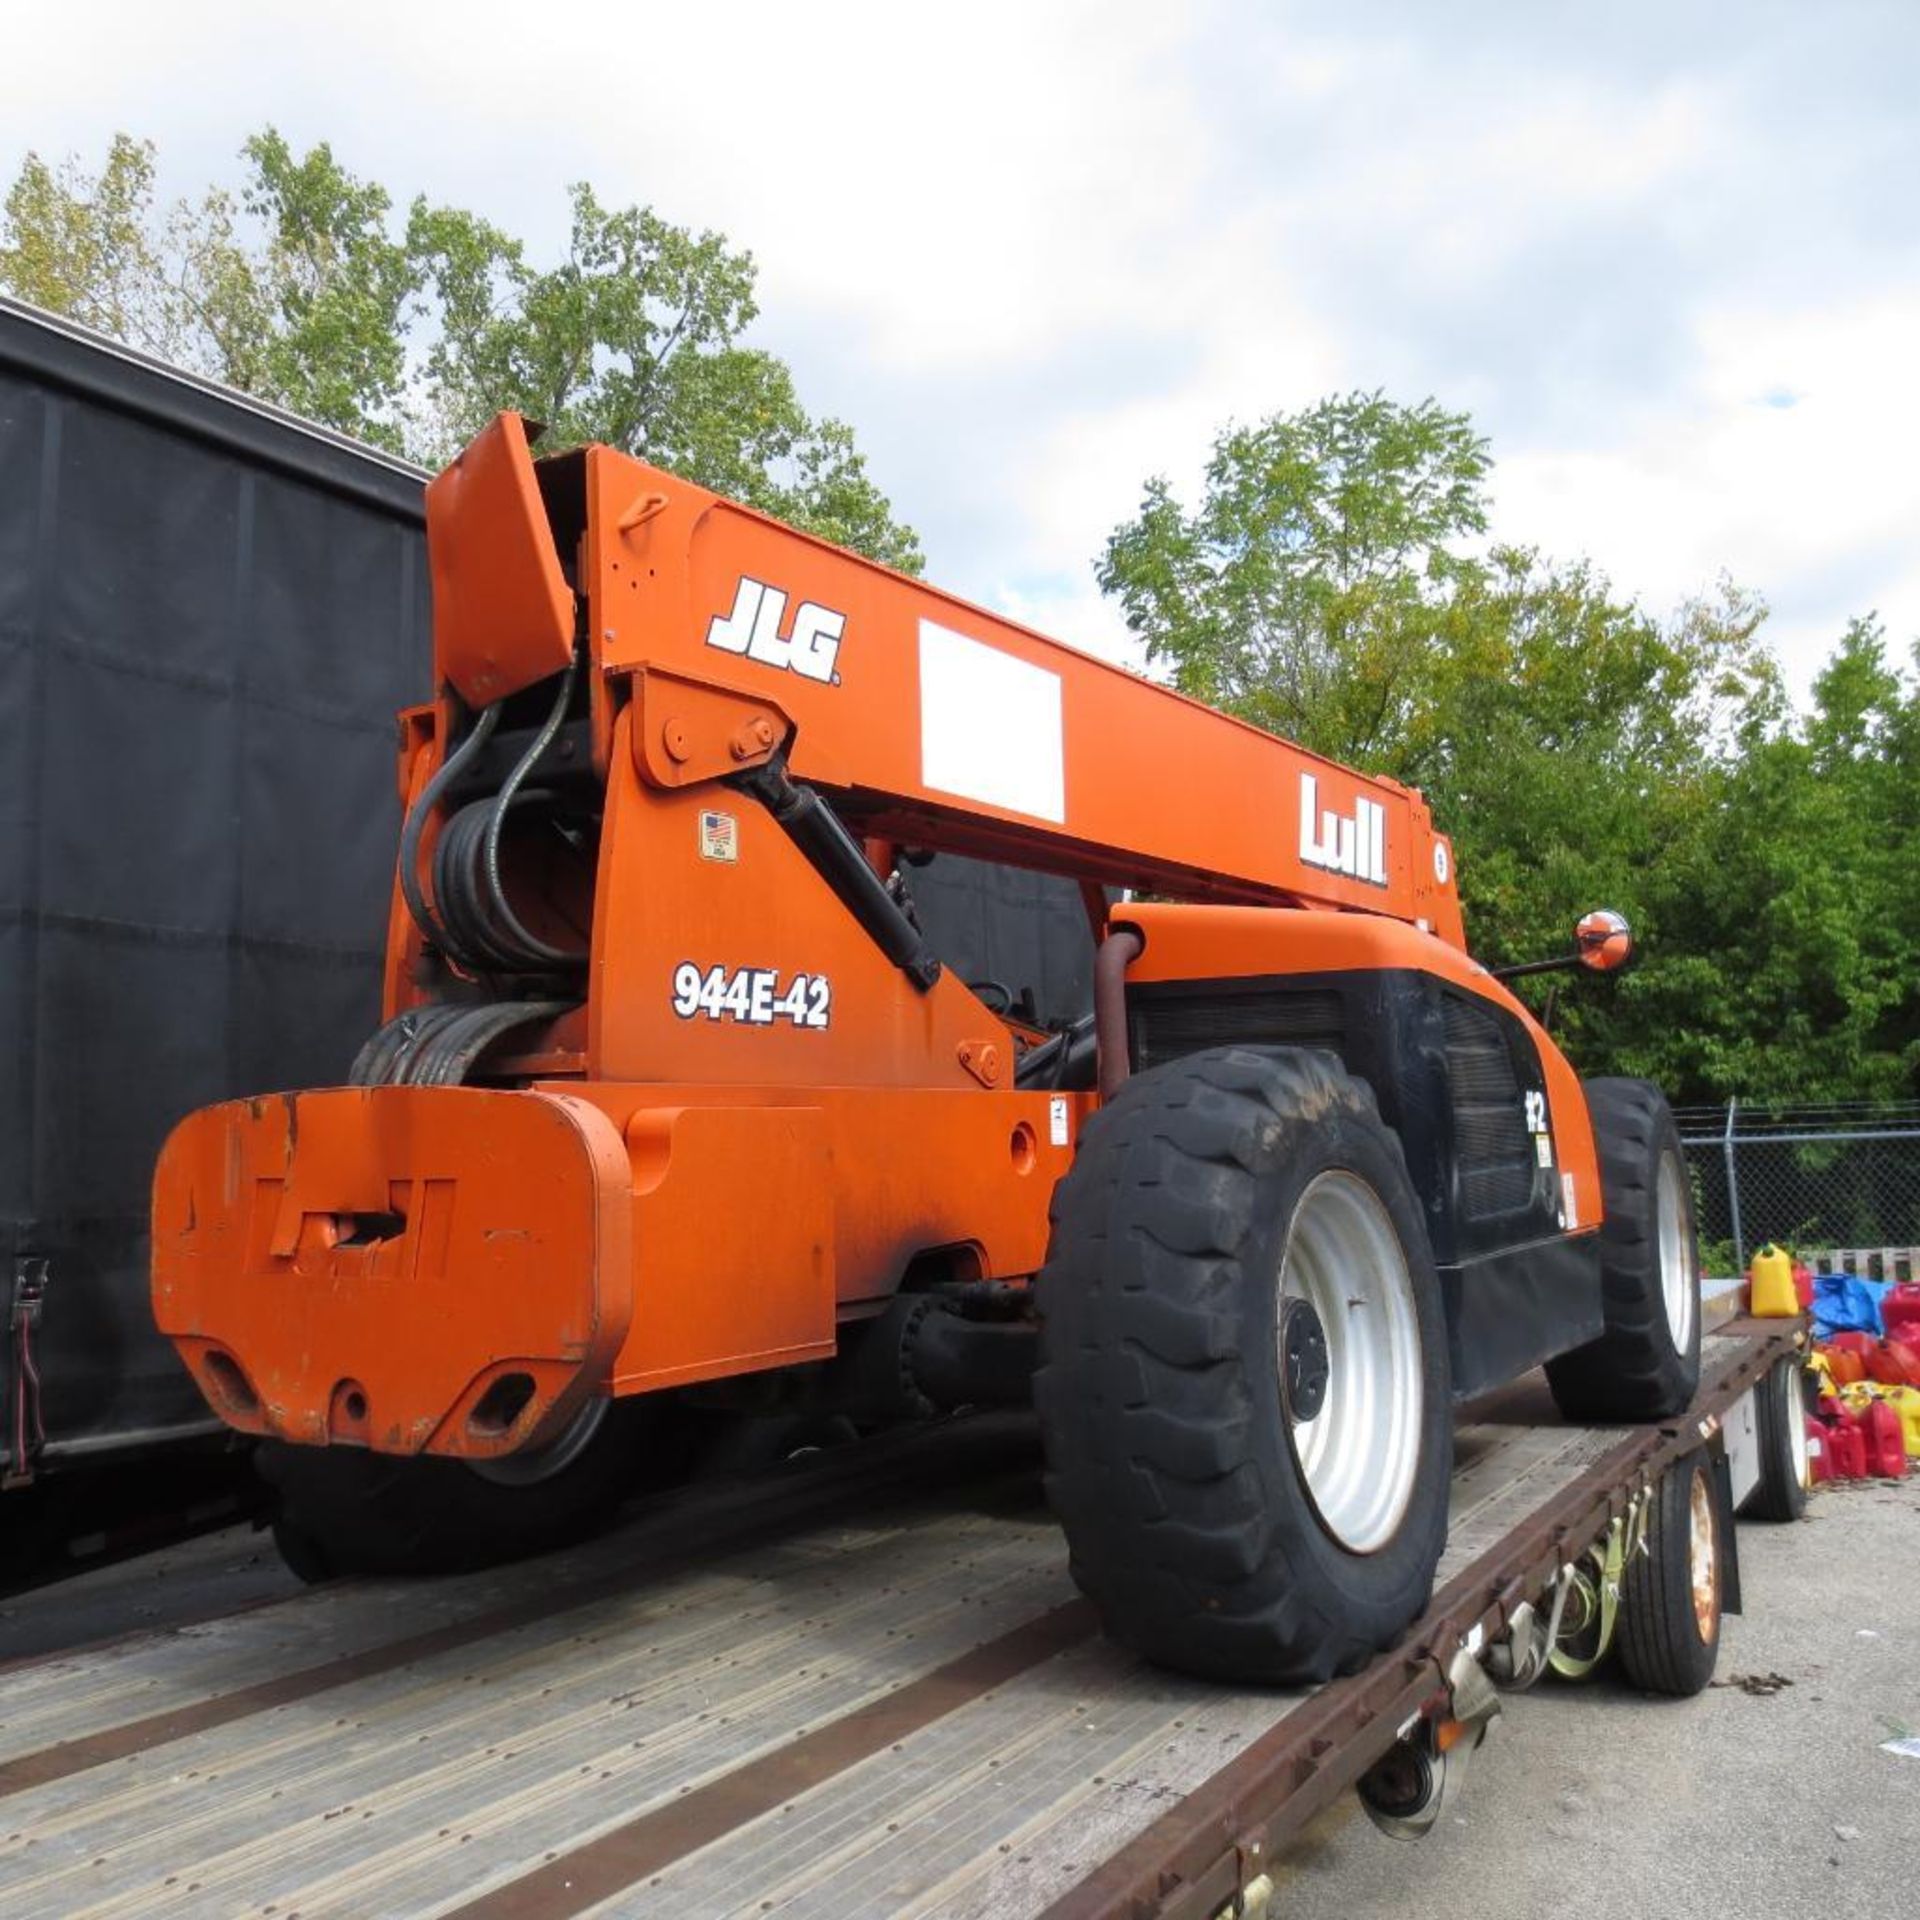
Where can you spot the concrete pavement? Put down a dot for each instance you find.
(1745, 1805)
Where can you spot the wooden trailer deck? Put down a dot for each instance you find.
(861, 1686)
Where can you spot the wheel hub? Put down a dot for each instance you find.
(1305, 1368)
(1703, 1567)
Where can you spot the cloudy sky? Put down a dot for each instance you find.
(1667, 255)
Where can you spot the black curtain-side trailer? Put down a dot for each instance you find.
(209, 612)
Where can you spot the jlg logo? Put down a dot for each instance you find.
(1355, 844)
(753, 628)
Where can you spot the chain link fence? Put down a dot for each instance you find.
(1815, 1179)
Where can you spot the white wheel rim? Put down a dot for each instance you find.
(1679, 1283)
(1794, 1413)
(1360, 1453)
(532, 1465)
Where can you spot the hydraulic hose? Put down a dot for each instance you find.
(1065, 1061)
(470, 918)
(538, 952)
(450, 769)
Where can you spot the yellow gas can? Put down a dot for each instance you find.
(1770, 1284)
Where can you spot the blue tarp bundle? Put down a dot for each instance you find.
(1845, 1303)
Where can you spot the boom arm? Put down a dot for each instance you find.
(934, 723)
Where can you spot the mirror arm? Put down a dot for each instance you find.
(1558, 964)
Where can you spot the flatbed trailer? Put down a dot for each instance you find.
(863, 1684)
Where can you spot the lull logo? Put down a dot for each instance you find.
(1342, 843)
(753, 628)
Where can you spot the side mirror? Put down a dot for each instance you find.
(1603, 940)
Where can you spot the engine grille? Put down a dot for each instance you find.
(1166, 1029)
(1495, 1151)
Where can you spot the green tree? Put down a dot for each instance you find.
(313, 314)
(1571, 739)
(634, 339)
(1333, 586)
(1307, 591)
(83, 244)
(1790, 913)
(307, 290)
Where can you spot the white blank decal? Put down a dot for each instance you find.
(990, 726)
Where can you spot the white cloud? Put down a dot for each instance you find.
(1816, 501)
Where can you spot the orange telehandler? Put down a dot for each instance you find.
(673, 1099)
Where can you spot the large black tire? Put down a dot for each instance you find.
(344, 1510)
(1669, 1639)
(1780, 1426)
(1641, 1367)
(1171, 1456)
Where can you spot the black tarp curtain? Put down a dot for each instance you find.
(200, 658)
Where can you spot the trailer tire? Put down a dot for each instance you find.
(1780, 1423)
(1646, 1365)
(1214, 1531)
(1670, 1594)
(345, 1510)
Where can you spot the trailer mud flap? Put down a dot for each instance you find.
(412, 1269)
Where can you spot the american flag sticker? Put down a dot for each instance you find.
(719, 837)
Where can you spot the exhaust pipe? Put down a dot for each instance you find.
(1118, 951)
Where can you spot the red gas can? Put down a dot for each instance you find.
(1900, 1311)
(1846, 1450)
(1886, 1442)
(1894, 1364)
(1803, 1284)
(1820, 1448)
